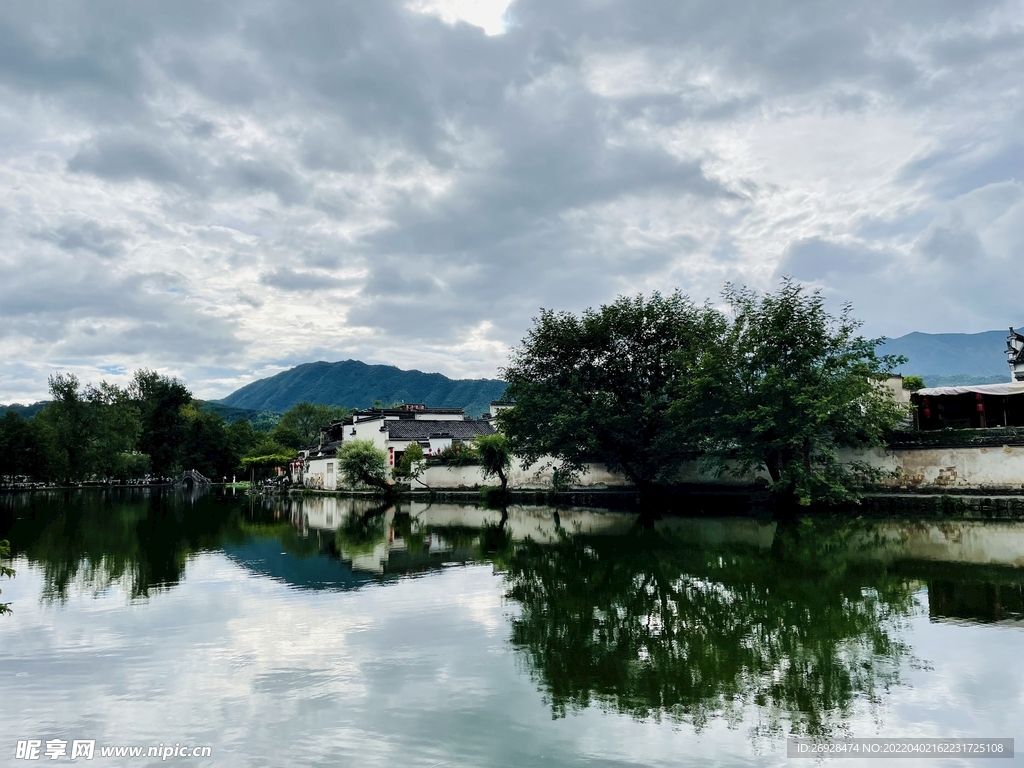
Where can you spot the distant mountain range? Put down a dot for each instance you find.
(355, 384)
(946, 359)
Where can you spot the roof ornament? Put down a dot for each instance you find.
(1015, 355)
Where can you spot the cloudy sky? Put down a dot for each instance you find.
(222, 190)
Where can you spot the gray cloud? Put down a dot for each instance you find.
(288, 279)
(107, 242)
(199, 185)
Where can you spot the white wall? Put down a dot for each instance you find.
(322, 473)
(537, 477)
(994, 467)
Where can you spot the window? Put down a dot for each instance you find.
(330, 468)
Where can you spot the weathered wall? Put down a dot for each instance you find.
(537, 477)
(967, 468)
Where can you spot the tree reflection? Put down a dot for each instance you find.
(141, 540)
(648, 626)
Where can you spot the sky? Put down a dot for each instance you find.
(220, 191)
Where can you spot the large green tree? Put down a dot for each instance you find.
(21, 451)
(161, 400)
(596, 387)
(305, 420)
(788, 386)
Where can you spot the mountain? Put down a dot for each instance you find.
(25, 411)
(945, 359)
(355, 384)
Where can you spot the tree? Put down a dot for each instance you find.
(495, 457)
(115, 427)
(789, 387)
(160, 400)
(65, 422)
(21, 453)
(412, 464)
(595, 388)
(360, 462)
(913, 383)
(305, 420)
(205, 444)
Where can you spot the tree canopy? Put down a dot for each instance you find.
(495, 457)
(786, 388)
(301, 424)
(107, 433)
(596, 387)
(360, 462)
(775, 383)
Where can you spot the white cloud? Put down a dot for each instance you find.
(489, 15)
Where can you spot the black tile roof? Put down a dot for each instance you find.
(422, 429)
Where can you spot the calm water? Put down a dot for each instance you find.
(322, 631)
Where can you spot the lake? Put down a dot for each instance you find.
(325, 631)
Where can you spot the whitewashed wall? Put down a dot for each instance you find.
(537, 477)
(991, 468)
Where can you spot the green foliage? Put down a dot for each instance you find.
(412, 464)
(205, 444)
(263, 464)
(595, 388)
(457, 455)
(84, 432)
(22, 453)
(302, 423)
(5, 571)
(360, 462)
(913, 383)
(495, 457)
(786, 387)
(641, 385)
(288, 437)
(161, 400)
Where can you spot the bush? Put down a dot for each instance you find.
(458, 455)
(360, 462)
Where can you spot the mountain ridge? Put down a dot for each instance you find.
(943, 359)
(355, 384)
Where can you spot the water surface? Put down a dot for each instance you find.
(319, 631)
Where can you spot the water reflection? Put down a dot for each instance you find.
(89, 540)
(785, 626)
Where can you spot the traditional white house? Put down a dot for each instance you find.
(390, 429)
